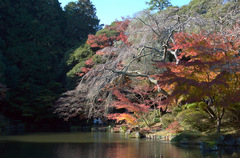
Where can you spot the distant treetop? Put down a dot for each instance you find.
(158, 4)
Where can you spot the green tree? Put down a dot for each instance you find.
(32, 35)
(37, 38)
(75, 60)
(158, 4)
(81, 20)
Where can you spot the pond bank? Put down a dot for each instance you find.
(206, 142)
(211, 142)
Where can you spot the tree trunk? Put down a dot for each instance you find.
(155, 113)
(219, 120)
(219, 125)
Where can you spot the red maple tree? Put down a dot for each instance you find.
(136, 101)
(209, 76)
(105, 40)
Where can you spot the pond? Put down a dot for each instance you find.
(97, 145)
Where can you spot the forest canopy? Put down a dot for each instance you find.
(35, 36)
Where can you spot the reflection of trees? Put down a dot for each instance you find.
(126, 149)
(67, 150)
(105, 145)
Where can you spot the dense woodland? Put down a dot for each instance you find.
(36, 42)
(173, 66)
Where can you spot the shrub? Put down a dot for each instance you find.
(197, 120)
(174, 127)
(167, 119)
(176, 111)
(231, 119)
(156, 120)
(187, 135)
(123, 129)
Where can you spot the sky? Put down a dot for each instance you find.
(111, 10)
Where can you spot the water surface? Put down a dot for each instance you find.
(97, 145)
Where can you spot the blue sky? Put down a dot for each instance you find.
(110, 10)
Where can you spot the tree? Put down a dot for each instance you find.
(135, 102)
(158, 4)
(74, 60)
(208, 80)
(152, 53)
(32, 48)
(32, 40)
(38, 46)
(110, 34)
(81, 20)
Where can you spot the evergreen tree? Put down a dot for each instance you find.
(32, 55)
(81, 20)
(34, 36)
(158, 4)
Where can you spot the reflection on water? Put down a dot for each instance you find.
(98, 145)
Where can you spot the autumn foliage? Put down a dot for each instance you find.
(174, 127)
(88, 66)
(136, 101)
(111, 34)
(134, 109)
(208, 72)
(212, 67)
(157, 63)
